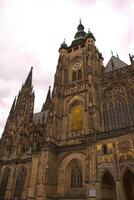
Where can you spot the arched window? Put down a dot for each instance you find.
(76, 175)
(79, 74)
(116, 113)
(105, 117)
(112, 116)
(74, 76)
(131, 109)
(4, 182)
(19, 186)
(76, 118)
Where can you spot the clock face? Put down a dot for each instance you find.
(76, 66)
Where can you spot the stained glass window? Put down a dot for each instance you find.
(76, 176)
(19, 186)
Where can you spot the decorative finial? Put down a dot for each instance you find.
(112, 52)
(80, 20)
(117, 55)
(131, 57)
(112, 62)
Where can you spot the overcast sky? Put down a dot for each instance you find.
(31, 32)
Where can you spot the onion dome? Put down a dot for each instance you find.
(63, 45)
(80, 36)
(80, 33)
(90, 35)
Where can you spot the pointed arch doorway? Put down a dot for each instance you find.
(108, 187)
(128, 185)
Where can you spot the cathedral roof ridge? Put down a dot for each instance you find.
(118, 63)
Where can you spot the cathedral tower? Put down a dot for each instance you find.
(79, 69)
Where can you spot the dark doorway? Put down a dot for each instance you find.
(108, 188)
(128, 183)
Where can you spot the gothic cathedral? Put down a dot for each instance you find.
(81, 144)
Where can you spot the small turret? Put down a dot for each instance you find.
(63, 45)
(90, 39)
(90, 35)
(63, 48)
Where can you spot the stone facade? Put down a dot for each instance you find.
(81, 144)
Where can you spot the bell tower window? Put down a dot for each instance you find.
(77, 72)
(74, 76)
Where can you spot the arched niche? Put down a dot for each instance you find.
(21, 174)
(76, 160)
(74, 175)
(76, 116)
(128, 184)
(108, 187)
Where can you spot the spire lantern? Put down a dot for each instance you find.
(80, 33)
(80, 26)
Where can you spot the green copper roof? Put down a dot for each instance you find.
(80, 33)
(63, 45)
(90, 35)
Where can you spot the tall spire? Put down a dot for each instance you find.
(28, 81)
(48, 100)
(12, 108)
(10, 118)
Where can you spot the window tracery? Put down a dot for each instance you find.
(19, 186)
(74, 76)
(77, 75)
(76, 175)
(117, 110)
